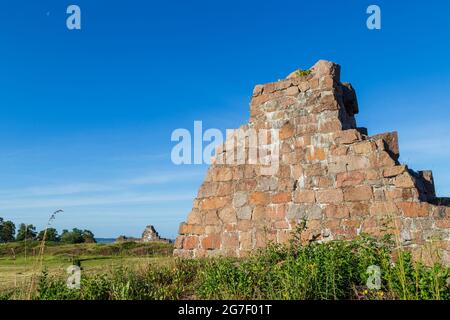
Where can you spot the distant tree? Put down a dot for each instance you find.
(26, 232)
(77, 236)
(74, 236)
(88, 236)
(52, 235)
(7, 231)
(1, 228)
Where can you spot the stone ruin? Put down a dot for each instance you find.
(332, 176)
(150, 235)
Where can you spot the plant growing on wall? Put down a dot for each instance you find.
(303, 73)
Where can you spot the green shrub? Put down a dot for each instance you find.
(410, 280)
(316, 271)
(303, 73)
(169, 282)
(333, 270)
(54, 289)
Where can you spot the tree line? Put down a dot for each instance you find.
(27, 232)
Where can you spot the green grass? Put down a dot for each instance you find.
(333, 270)
(31, 248)
(19, 261)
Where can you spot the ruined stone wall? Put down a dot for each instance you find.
(331, 174)
(150, 235)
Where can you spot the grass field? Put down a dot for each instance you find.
(19, 262)
(294, 271)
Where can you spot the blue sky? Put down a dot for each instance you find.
(86, 115)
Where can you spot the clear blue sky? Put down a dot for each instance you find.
(86, 116)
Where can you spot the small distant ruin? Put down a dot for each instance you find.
(332, 175)
(148, 235)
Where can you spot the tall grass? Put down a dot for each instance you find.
(333, 270)
(314, 271)
(40, 257)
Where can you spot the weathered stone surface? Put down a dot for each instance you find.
(239, 199)
(190, 242)
(365, 147)
(244, 213)
(393, 171)
(281, 197)
(347, 136)
(276, 212)
(391, 141)
(330, 174)
(267, 184)
(304, 196)
(211, 242)
(337, 211)
(359, 193)
(213, 203)
(404, 180)
(258, 90)
(329, 196)
(383, 209)
(303, 211)
(227, 215)
(414, 209)
(151, 235)
(286, 131)
(259, 198)
(351, 178)
(292, 91)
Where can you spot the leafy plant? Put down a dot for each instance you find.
(303, 73)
